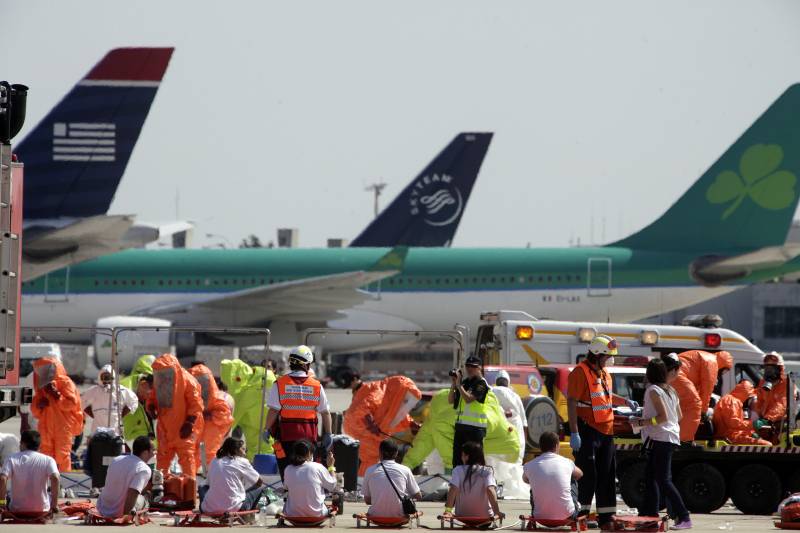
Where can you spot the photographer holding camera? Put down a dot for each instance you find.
(467, 395)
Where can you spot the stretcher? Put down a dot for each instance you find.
(308, 521)
(386, 521)
(639, 523)
(23, 517)
(531, 523)
(136, 518)
(200, 519)
(469, 522)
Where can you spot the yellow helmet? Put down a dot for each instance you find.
(603, 345)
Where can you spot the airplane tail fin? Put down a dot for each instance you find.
(75, 157)
(427, 212)
(746, 199)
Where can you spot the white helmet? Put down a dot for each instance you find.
(603, 345)
(302, 354)
(502, 374)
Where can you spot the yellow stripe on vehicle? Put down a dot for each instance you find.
(535, 356)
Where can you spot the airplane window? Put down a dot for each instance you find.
(493, 280)
(271, 280)
(541, 279)
(141, 282)
(96, 283)
(502, 280)
(558, 278)
(530, 279)
(216, 282)
(568, 277)
(262, 281)
(391, 282)
(114, 282)
(549, 278)
(169, 282)
(446, 281)
(160, 282)
(123, 282)
(178, 282)
(224, 281)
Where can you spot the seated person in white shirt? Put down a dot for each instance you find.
(554, 482)
(233, 483)
(29, 473)
(126, 480)
(473, 489)
(379, 494)
(306, 482)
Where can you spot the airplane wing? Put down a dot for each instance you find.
(307, 300)
(767, 257)
(46, 249)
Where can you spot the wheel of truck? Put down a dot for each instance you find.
(756, 489)
(793, 482)
(542, 416)
(631, 484)
(702, 487)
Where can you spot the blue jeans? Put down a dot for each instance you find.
(658, 483)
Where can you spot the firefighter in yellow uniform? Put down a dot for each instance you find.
(294, 403)
(591, 422)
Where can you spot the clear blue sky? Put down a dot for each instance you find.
(279, 113)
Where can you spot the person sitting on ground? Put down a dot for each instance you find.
(387, 482)
(306, 482)
(126, 480)
(233, 483)
(29, 473)
(554, 482)
(473, 489)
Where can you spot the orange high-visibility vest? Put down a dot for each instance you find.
(599, 393)
(299, 398)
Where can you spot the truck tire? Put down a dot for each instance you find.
(702, 487)
(631, 484)
(756, 489)
(542, 416)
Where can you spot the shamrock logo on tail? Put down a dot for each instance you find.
(758, 178)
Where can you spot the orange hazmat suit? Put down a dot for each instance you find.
(772, 403)
(729, 421)
(379, 409)
(695, 383)
(217, 417)
(57, 406)
(177, 404)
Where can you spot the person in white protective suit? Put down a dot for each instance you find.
(511, 404)
(97, 399)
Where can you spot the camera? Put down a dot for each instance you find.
(453, 373)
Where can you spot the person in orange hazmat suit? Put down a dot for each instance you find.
(177, 404)
(696, 380)
(771, 391)
(57, 406)
(379, 410)
(729, 421)
(217, 414)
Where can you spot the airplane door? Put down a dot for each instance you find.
(56, 286)
(598, 276)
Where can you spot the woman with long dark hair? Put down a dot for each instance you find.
(661, 434)
(306, 482)
(473, 489)
(233, 483)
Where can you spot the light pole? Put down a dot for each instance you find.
(377, 189)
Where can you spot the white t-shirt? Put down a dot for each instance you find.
(125, 472)
(669, 431)
(384, 499)
(228, 480)
(274, 402)
(550, 478)
(97, 398)
(29, 473)
(306, 485)
(473, 499)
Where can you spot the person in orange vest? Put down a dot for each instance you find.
(729, 421)
(294, 403)
(591, 422)
(700, 371)
(771, 392)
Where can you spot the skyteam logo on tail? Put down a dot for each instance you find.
(84, 141)
(758, 178)
(436, 199)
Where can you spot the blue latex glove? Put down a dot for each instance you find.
(633, 404)
(575, 441)
(326, 441)
(265, 436)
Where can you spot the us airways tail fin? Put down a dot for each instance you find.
(427, 212)
(744, 201)
(75, 157)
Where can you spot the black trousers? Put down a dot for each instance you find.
(285, 461)
(599, 465)
(658, 480)
(464, 434)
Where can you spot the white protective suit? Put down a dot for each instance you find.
(97, 397)
(511, 402)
